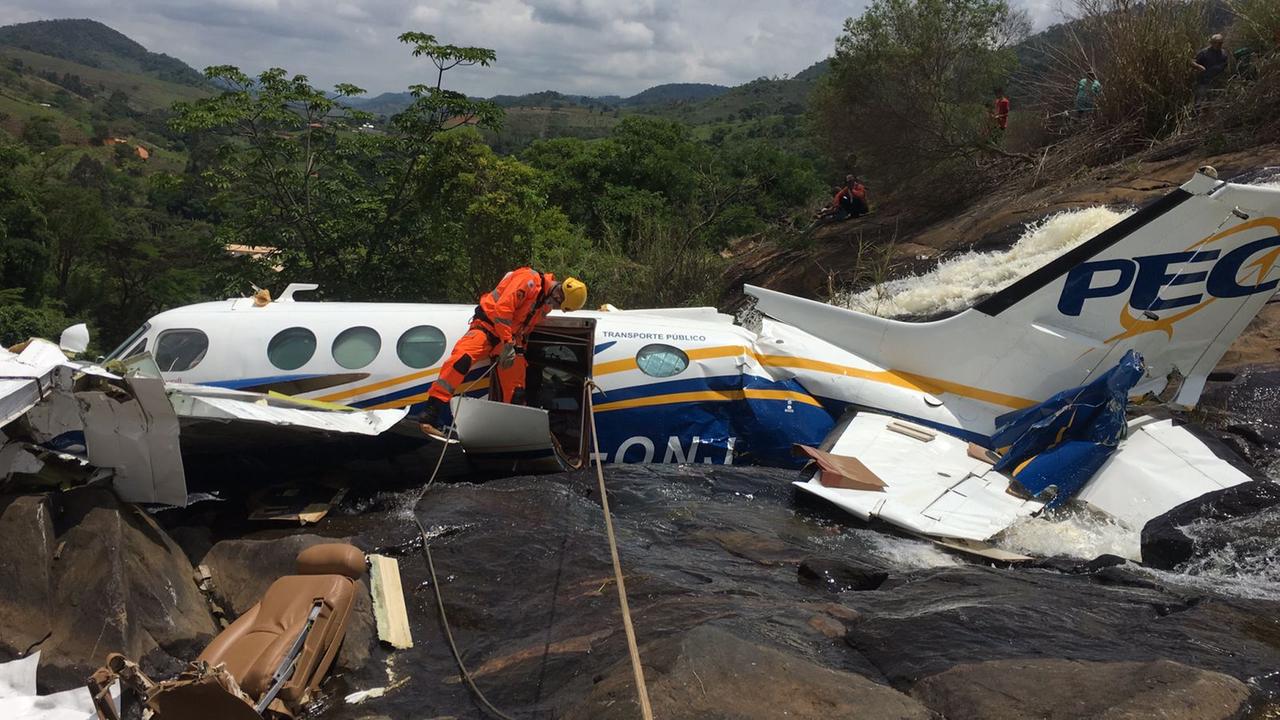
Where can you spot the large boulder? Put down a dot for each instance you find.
(243, 569)
(1054, 689)
(26, 567)
(1166, 542)
(110, 580)
(712, 673)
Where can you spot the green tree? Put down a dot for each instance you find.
(40, 133)
(342, 207)
(911, 83)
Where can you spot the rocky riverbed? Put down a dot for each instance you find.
(747, 601)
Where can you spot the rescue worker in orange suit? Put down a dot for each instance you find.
(499, 331)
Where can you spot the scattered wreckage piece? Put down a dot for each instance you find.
(1161, 465)
(931, 488)
(19, 701)
(26, 378)
(389, 611)
(136, 427)
(944, 491)
(265, 664)
(507, 438)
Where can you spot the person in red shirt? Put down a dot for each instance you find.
(500, 328)
(851, 200)
(1001, 112)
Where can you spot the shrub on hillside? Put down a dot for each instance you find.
(911, 87)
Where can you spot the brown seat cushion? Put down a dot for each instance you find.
(332, 559)
(253, 647)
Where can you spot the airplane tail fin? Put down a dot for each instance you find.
(1178, 281)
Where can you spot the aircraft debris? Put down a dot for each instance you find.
(133, 427)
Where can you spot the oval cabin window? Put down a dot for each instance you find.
(356, 347)
(179, 350)
(291, 349)
(421, 346)
(661, 361)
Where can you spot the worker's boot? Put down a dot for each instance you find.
(429, 419)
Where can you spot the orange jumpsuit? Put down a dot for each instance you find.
(506, 315)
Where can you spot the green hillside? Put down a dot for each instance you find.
(121, 95)
(523, 125)
(92, 44)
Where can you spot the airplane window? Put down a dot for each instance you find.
(179, 350)
(119, 352)
(421, 346)
(356, 347)
(291, 349)
(661, 360)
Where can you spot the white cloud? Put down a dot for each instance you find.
(577, 46)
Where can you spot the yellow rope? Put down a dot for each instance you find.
(642, 691)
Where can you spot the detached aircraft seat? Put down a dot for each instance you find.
(268, 662)
(256, 644)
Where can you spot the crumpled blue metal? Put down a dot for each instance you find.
(1064, 440)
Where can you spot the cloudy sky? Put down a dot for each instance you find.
(576, 46)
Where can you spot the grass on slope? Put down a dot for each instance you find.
(145, 92)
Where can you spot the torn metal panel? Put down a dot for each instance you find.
(259, 410)
(138, 438)
(27, 377)
(508, 438)
(19, 701)
(931, 487)
(1158, 467)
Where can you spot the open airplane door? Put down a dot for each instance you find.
(551, 432)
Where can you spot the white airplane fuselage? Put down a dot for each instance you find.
(1177, 281)
(678, 385)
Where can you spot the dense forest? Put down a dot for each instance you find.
(124, 181)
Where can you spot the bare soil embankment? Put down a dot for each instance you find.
(993, 221)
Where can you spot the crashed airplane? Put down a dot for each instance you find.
(913, 405)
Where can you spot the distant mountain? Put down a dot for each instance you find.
(91, 43)
(658, 96)
(675, 93)
(386, 103)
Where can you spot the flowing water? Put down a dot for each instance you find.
(957, 282)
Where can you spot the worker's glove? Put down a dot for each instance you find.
(507, 356)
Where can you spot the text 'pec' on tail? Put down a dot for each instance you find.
(1177, 281)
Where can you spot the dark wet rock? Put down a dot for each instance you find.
(838, 576)
(194, 541)
(242, 571)
(26, 567)
(955, 616)
(1053, 689)
(711, 673)
(1075, 566)
(1242, 407)
(117, 583)
(523, 565)
(1166, 542)
(827, 626)
(1119, 576)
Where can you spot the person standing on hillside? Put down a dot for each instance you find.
(1210, 63)
(499, 331)
(1087, 91)
(1000, 114)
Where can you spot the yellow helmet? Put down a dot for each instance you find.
(575, 294)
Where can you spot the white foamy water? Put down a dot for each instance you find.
(901, 552)
(957, 283)
(1073, 532)
(1243, 561)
